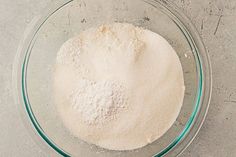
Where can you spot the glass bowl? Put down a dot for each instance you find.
(35, 60)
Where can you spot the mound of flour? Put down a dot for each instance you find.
(118, 86)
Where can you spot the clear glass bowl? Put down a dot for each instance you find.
(33, 71)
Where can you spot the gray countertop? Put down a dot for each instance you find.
(215, 21)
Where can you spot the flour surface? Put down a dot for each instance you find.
(118, 86)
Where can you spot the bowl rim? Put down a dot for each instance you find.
(192, 127)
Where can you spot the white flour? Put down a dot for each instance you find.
(118, 86)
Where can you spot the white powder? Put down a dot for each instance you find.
(118, 86)
(98, 102)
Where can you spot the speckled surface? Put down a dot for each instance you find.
(215, 21)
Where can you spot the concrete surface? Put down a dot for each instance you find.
(215, 21)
